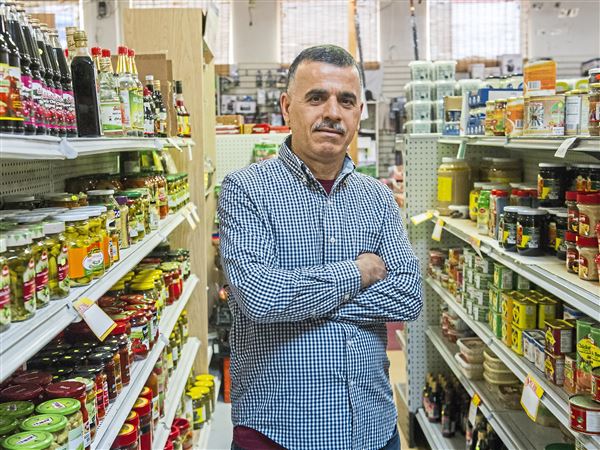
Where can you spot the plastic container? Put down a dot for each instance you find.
(454, 184)
(418, 126)
(454, 335)
(420, 70)
(418, 110)
(498, 377)
(443, 88)
(492, 361)
(419, 90)
(472, 349)
(444, 70)
(471, 371)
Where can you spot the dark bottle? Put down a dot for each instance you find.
(11, 112)
(57, 92)
(26, 99)
(436, 403)
(448, 415)
(149, 113)
(37, 81)
(68, 103)
(184, 128)
(160, 125)
(47, 73)
(84, 75)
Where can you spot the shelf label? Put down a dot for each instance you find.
(98, 321)
(531, 397)
(174, 144)
(473, 406)
(564, 147)
(420, 218)
(437, 230)
(189, 147)
(194, 211)
(188, 216)
(476, 244)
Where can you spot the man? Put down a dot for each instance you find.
(317, 261)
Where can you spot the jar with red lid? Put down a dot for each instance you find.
(152, 316)
(148, 394)
(90, 403)
(588, 250)
(96, 373)
(106, 361)
(120, 336)
(175, 438)
(589, 213)
(168, 445)
(76, 390)
(22, 393)
(144, 410)
(133, 418)
(34, 377)
(185, 432)
(127, 439)
(140, 335)
(106, 301)
(113, 348)
(572, 211)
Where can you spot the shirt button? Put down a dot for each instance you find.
(347, 297)
(351, 383)
(349, 342)
(332, 240)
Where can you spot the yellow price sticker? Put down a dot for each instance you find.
(437, 230)
(420, 218)
(473, 406)
(531, 397)
(98, 321)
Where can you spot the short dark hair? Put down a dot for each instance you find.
(328, 53)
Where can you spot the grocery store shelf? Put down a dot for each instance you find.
(547, 272)
(48, 322)
(583, 144)
(554, 398)
(433, 434)
(175, 391)
(172, 313)
(508, 424)
(50, 147)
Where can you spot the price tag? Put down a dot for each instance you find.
(174, 144)
(531, 397)
(188, 216)
(564, 147)
(462, 150)
(437, 230)
(475, 402)
(194, 211)
(476, 244)
(420, 218)
(189, 147)
(98, 321)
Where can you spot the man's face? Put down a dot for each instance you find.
(322, 107)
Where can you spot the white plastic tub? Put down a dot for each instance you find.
(471, 371)
(420, 70)
(437, 109)
(444, 70)
(419, 90)
(418, 126)
(418, 110)
(443, 88)
(472, 349)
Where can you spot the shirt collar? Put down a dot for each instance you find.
(300, 170)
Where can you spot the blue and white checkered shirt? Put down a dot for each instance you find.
(308, 347)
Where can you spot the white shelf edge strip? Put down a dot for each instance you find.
(49, 321)
(177, 384)
(555, 399)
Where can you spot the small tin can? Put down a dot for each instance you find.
(596, 384)
(524, 314)
(585, 414)
(496, 325)
(544, 116)
(540, 355)
(507, 333)
(482, 280)
(570, 384)
(480, 296)
(503, 277)
(546, 310)
(560, 335)
(529, 338)
(495, 299)
(517, 340)
(573, 100)
(554, 368)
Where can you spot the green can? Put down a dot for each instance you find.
(503, 277)
(496, 324)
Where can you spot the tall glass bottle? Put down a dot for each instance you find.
(160, 124)
(184, 128)
(70, 32)
(149, 113)
(57, 92)
(96, 55)
(11, 110)
(68, 101)
(126, 87)
(16, 33)
(138, 98)
(48, 74)
(37, 79)
(111, 114)
(84, 89)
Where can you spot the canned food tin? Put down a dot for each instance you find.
(529, 338)
(480, 312)
(507, 333)
(596, 384)
(570, 383)
(482, 280)
(495, 299)
(546, 310)
(522, 283)
(559, 336)
(544, 116)
(540, 355)
(503, 277)
(555, 368)
(496, 325)
(480, 296)
(585, 414)
(517, 340)
(524, 314)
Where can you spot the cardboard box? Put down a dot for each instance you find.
(230, 119)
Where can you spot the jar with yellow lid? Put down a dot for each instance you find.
(5, 288)
(21, 265)
(454, 184)
(55, 243)
(33, 223)
(210, 385)
(83, 263)
(199, 407)
(205, 392)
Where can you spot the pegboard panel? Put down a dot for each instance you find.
(41, 177)
(235, 151)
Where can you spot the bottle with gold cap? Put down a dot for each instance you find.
(126, 87)
(84, 75)
(138, 97)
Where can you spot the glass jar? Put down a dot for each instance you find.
(18, 201)
(594, 109)
(75, 390)
(589, 213)
(127, 439)
(140, 335)
(90, 404)
(499, 125)
(144, 410)
(137, 217)
(473, 200)
(529, 231)
(150, 214)
(572, 256)
(70, 408)
(17, 409)
(175, 438)
(113, 348)
(120, 336)
(107, 362)
(161, 195)
(122, 221)
(148, 392)
(21, 265)
(552, 183)
(185, 432)
(99, 236)
(105, 197)
(505, 170)
(96, 373)
(508, 228)
(6, 293)
(37, 377)
(162, 385)
(560, 245)
(55, 244)
(199, 408)
(8, 426)
(62, 200)
(29, 440)
(588, 249)
(55, 424)
(572, 211)
(594, 178)
(454, 184)
(579, 174)
(82, 263)
(26, 392)
(210, 385)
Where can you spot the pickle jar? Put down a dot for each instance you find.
(5, 289)
(83, 263)
(21, 266)
(8, 425)
(99, 236)
(123, 222)
(62, 200)
(33, 223)
(137, 216)
(18, 201)
(150, 214)
(70, 408)
(29, 440)
(56, 246)
(90, 403)
(105, 197)
(55, 424)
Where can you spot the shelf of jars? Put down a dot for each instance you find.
(201, 437)
(554, 398)
(52, 319)
(175, 389)
(581, 144)
(547, 272)
(118, 411)
(513, 427)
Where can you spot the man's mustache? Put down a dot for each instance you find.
(328, 125)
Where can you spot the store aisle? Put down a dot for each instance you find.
(221, 429)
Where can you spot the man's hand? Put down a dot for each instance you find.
(372, 269)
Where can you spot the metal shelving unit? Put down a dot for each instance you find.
(554, 398)
(177, 384)
(583, 144)
(504, 421)
(48, 322)
(433, 434)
